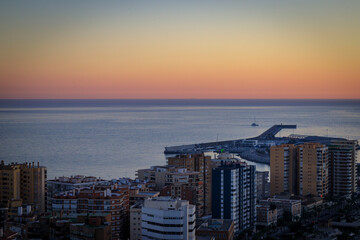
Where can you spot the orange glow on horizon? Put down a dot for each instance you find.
(199, 54)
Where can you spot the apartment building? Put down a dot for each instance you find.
(221, 229)
(177, 182)
(283, 169)
(342, 167)
(65, 184)
(234, 194)
(91, 226)
(266, 215)
(139, 196)
(262, 185)
(136, 221)
(25, 181)
(299, 170)
(197, 163)
(156, 174)
(289, 205)
(313, 169)
(96, 201)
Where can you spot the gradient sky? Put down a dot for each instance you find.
(180, 49)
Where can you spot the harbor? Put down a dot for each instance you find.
(255, 149)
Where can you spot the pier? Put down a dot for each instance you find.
(271, 132)
(266, 138)
(256, 149)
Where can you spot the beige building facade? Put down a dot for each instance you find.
(313, 169)
(197, 163)
(25, 181)
(283, 169)
(299, 170)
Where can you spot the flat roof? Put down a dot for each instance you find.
(216, 225)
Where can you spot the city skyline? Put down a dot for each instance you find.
(179, 50)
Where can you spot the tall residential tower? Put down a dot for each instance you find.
(342, 176)
(313, 169)
(26, 182)
(283, 174)
(234, 194)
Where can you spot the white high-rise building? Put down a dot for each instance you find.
(167, 218)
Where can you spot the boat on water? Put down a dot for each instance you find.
(254, 124)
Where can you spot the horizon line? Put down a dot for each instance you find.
(179, 99)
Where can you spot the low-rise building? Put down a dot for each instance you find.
(18, 210)
(80, 226)
(311, 202)
(92, 226)
(139, 196)
(221, 229)
(266, 215)
(65, 184)
(66, 203)
(96, 201)
(156, 174)
(289, 205)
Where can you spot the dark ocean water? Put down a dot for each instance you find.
(113, 138)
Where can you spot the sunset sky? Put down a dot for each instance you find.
(180, 49)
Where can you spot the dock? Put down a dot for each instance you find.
(236, 145)
(271, 132)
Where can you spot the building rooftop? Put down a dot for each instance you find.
(164, 198)
(16, 165)
(216, 225)
(137, 205)
(102, 214)
(166, 203)
(148, 193)
(227, 165)
(77, 179)
(280, 200)
(90, 226)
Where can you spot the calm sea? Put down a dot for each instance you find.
(113, 138)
